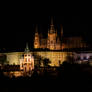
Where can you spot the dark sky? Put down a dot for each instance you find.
(17, 29)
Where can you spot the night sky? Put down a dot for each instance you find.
(17, 29)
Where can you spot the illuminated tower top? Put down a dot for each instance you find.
(36, 39)
(52, 30)
(61, 30)
(27, 48)
(36, 29)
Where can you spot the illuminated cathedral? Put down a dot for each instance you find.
(55, 42)
(52, 42)
(55, 47)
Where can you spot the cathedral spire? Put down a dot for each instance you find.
(52, 21)
(36, 39)
(52, 30)
(36, 29)
(61, 30)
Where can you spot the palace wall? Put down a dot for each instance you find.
(55, 57)
(13, 57)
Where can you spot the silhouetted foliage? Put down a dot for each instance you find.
(64, 78)
(2, 59)
(38, 61)
(46, 62)
(70, 59)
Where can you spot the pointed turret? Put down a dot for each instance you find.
(58, 40)
(36, 39)
(52, 34)
(36, 29)
(27, 48)
(58, 44)
(52, 21)
(61, 31)
(27, 62)
(52, 29)
(56, 33)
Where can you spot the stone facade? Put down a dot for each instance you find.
(55, 57)
(54, 41)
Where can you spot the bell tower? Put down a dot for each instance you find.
(61, 31)
(62, 44)
(36, 39)
(51, 41)
(27, 61)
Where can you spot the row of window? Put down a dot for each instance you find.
(28, 55)
(84, 58)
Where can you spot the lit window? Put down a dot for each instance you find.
(25, 55)
(29, 60)
(29, 55)
(25, 59)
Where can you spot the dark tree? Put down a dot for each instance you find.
(38, 61)
(46, 62)
(2, 59)
(70, 59)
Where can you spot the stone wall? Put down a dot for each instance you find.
(55, 57)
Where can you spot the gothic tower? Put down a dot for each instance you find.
(61, 31)
(51, 40)
(27, 61)
(58, 44)
(36, 40)
(62, 44)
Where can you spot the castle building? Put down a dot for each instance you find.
(27, 61)
(52, 42)
(55, 42)
(55, 45)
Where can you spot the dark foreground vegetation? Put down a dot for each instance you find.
(68, 78)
